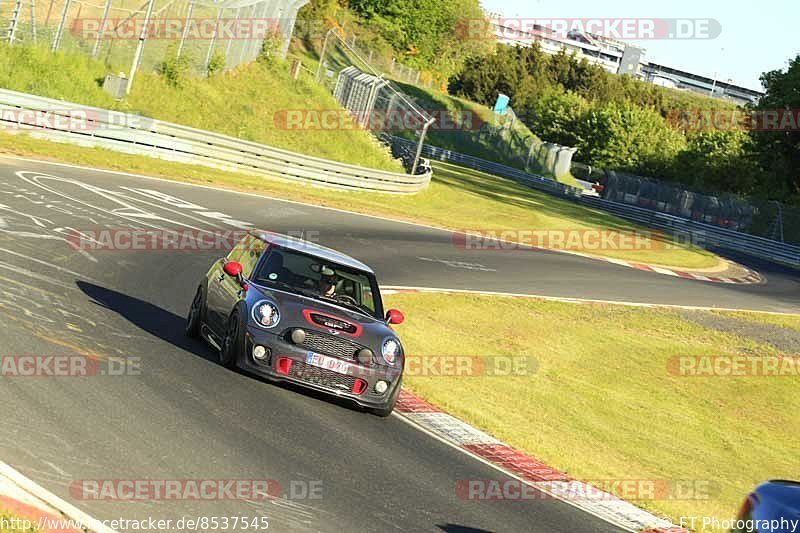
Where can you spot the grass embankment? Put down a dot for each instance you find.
(457, 199)
(243, 102)
(602, 404)
(470, 128)
(480, 132)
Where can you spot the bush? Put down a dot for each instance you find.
(556, 116)
(174, 69)
(630, 138)
(216, 64)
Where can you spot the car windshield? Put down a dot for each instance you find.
(319, 279)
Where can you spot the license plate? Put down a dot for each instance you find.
(328, 363)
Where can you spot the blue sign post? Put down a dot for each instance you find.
(501, 106)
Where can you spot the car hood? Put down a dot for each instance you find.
(305, 312)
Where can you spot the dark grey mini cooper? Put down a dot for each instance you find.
(290, 310)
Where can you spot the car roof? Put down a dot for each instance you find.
(310, 248)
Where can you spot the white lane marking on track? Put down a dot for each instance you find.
(664, 271)
(204, 214)
(36, 220)
(458, 264)
(51, 265)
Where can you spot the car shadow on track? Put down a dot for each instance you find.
(151, 318)
(169, 327)
(455, 528)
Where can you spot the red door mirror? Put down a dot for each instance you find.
(232, 268)
(393, 316)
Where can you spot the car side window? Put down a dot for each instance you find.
(251, 254)
(238, 251)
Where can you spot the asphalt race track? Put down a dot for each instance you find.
(181, 416)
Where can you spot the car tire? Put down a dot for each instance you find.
(385, 411)
(232, 342)
(195, 316)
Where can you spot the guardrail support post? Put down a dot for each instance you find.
(229, 44)
(137, 56)
(213, 41)
(322, 54)
(419, 146)
(103, 21)
(60, 29)
(33, 21)
(245, 43)
(255, 44)
(185, 32)
(15, 14)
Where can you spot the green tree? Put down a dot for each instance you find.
(429, 34)
(556, 115)
(626, 137)
(778, 150)
(719, 160)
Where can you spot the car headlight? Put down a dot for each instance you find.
(390, 350)
(266, 314)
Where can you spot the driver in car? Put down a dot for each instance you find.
(327, 286)
(327, 282)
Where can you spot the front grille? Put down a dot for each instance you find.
(330, 345)
(320, 376)
(333, 323)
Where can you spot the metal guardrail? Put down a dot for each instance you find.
(685, 230)
(703, 235)
(78, 124)
(534, 181)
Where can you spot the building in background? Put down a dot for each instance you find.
(619, 58)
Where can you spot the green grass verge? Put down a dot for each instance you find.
(457, 199)
(246, 102)
(7, 519)
(602, 405)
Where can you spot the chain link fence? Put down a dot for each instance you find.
(197, 35)
(374, 101)
(762, 218)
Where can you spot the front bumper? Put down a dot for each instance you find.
(357, 385)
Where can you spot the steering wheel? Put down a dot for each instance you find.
(346, 297)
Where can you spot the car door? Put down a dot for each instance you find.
(227, 291)
(221, 290)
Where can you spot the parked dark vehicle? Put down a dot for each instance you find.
(290, 310)
(775, 505)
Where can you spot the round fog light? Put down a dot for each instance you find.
(260, 353)
(381, 386)
(364, 356)
(298, 336)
